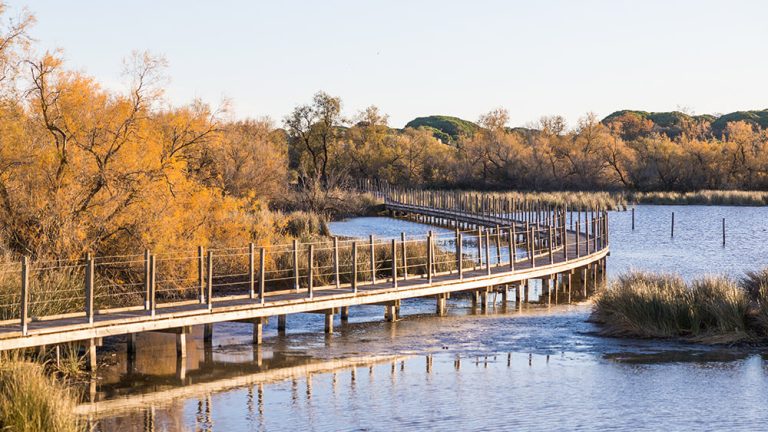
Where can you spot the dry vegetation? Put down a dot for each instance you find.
(32, 401)
(710, 310)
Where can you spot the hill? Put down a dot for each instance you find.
(445, 128)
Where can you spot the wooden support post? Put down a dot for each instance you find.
(24, 295)
(258, 331)
(390, 312)
(570, 285)
(90, 355)
(354, 267)
(329, 321)
(584, 280)
(208, 335)
(251, 271)
(89, 274)
(337, 275)
(262, 275)
(130, 345)
(526, 290)
(441, 305)
(345, 314)
(152, 286)
(549, 289)
(296, 281)
(633, 218)
(518, 289)
(394, 263)
(201, 274)
(310, 271)
(281, 323)
(483, 299)
(181, 344)
(209, 297)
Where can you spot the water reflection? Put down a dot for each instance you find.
(544, 368)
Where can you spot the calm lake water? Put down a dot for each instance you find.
(532, 369)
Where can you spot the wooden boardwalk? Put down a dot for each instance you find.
(536, 251)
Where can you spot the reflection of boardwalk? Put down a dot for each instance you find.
(132, 403)
(539, 245)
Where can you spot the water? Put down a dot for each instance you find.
(531, 369)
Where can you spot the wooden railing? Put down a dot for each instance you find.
(489, 237)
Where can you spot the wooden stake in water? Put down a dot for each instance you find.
(633, 218)
(672, 233)
(723, 231)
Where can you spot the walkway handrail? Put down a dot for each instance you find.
(494, 240)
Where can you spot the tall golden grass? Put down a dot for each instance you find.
(710, 309)
(33, 401)
(702, 197)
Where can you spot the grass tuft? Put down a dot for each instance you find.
(32, 401)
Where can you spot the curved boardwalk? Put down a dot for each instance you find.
(478, 257)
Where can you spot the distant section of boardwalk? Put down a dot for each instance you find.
(493, 245)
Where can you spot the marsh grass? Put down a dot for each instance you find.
(702, 197)
(711, 309)
(32, 400)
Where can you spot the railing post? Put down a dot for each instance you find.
(532, 245)
(310, 271)
(578, 239)
(394, 263)
(459, 255)
(405, 255)
(262, 274)
(209, 288)
(152, 285)
(430, 258)
(551, 245)
(89, 273)
(336, 262)
(251, 271)
(24, 295)
(488, 251)
(498, 246)
(296, 265)
(479, 247)
(146, 279)
(564, 240)
(354, 267)
(373, 259)
(201, 273)
(512, 248)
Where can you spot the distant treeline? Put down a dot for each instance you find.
(628, 150)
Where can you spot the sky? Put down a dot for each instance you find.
(417, 58)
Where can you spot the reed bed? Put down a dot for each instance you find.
(709, 310)
(33, 401)
(702, 197)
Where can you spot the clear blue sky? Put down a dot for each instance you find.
(415, 58)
